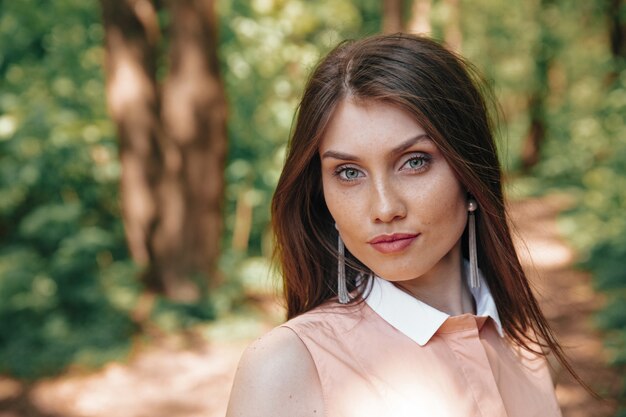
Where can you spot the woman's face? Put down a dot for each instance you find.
(397, 204)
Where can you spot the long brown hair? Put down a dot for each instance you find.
(447, 98)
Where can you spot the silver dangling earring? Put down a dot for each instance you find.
(342, 286)
(472, 206)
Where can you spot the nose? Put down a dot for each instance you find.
(387, 202)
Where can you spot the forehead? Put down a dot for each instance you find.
(368, 125)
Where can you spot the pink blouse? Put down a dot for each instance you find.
(396, 356)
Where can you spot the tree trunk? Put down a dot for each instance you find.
(617, 28)
(243, 221)
(131, 35)
(546, 44)
(452, 28)
(392, 16)
(187, 237)
(173, 145)
(536, 131)
(617, 38)
(420, 18)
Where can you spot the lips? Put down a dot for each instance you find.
(393, 243)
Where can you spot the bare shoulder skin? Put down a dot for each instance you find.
(276, 377)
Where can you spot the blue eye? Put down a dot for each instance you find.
(417, 162)
(351, 173)
(348, 173)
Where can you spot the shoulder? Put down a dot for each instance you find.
(276, 377)
(327, 320)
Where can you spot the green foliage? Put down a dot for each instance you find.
(268, 47)
(586, 153)
(66, 283)
(598, 224)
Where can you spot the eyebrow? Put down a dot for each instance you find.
(395, 151)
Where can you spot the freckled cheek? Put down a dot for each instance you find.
(339, 204)
(443, 202)
(347, 211)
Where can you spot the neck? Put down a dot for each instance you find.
(444, 287)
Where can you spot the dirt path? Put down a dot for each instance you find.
(186, 378)
(569, 302)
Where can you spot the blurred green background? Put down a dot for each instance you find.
(68, 285)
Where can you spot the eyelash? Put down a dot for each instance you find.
(424, 159)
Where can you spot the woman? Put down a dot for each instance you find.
(393, 156)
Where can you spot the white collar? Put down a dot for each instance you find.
(394, 306)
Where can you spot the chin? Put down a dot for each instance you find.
(395, 275)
